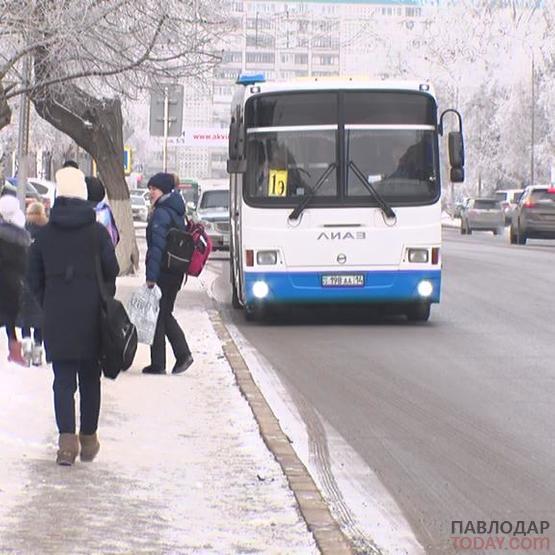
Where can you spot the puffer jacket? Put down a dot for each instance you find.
(14, 243)
(169, 212)
(62, 275)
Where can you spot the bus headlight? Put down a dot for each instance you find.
(418, 255)
(266, 258)
(425, 288)
(260, 289)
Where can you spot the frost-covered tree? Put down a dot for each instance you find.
(87, 55)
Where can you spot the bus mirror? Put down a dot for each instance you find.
(457, 175)
(236, 140)
(456, 150)
(236, 166)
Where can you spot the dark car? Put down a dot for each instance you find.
(534, 215)
(482, 214)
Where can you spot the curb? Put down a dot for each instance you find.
(314, 510)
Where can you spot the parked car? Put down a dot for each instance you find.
(534, 216)
(482, 214)
(139, 208)
(45, 187)
(31, 194)
(213, 212)
(509, 199)
(140, 192)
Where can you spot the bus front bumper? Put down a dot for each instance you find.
(328, 287)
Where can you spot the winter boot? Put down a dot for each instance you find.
(27, 349)
(37, 355)
(68, 449)
(14, 353)
(89, 447)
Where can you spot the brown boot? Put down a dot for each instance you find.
(68, 449)
(89, 447)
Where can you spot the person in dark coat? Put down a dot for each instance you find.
(168, 213)
(62, 274)
(31, 312)
(14, 241)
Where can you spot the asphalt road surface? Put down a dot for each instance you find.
(455, 416)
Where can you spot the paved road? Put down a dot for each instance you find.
(455, 416)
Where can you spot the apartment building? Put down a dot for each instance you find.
(288, 40)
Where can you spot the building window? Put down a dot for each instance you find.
(260, 57)
(301, 59)
(229, 57)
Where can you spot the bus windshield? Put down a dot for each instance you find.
(287, 164)
(399, 163)
(389, 136)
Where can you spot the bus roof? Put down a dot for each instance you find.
(336, 83)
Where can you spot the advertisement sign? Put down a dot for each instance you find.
(201, 137)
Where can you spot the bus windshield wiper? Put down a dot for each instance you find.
(310, 195)
(385, 208)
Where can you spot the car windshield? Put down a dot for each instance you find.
(215, 199)
(501, 197)
(486, 204)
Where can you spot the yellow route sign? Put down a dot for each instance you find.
(277, 183)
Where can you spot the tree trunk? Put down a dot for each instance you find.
(5, 112)
(96, 126)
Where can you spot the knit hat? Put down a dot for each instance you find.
(165, 182)
(10, 211)
(95, 189)
(71, 183)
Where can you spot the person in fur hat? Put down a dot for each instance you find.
(62, 275)
(14, 241)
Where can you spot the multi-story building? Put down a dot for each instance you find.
(287, 40)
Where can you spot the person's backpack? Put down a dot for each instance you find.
(118, 335)
(105, 217)
(187, 250)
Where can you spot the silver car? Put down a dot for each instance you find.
(213, 213)
(482, 214)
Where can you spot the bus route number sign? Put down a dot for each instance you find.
(277, 183)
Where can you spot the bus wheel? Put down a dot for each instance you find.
(234, 297)
(418, 312)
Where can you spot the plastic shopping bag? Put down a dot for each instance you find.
(143, 308)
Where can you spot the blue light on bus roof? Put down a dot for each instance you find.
(250, 78)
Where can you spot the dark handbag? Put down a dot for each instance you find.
(118, 336)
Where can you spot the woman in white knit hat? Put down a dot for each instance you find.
(14, 241)
(62, 275)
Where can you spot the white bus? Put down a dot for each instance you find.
(335, 193)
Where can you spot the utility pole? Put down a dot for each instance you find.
(166, 125)
(23, 137)
(533, 123)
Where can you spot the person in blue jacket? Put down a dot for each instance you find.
(168, 212)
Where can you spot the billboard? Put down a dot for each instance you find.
(201, 137)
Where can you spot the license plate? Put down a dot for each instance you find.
(343, 280)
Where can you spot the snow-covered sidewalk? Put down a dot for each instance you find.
(182, 467)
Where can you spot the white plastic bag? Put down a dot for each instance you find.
(143, 308)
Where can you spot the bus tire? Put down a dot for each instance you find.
(418, 312)
(235, 303)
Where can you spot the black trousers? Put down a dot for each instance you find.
(167, 326)
(65, 385)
